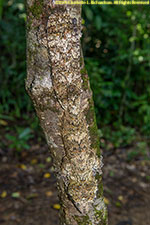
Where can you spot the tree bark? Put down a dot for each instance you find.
(58, 85)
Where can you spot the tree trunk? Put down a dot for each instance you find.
(58, 85)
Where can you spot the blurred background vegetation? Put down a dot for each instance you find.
(116, 45)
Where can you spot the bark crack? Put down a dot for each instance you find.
(50, 67)
(73, 202)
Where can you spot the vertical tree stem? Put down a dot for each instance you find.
(58, 85)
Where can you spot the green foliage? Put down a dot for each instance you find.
(19, 141)
(13, 97)
(14, 101)
(119, 136)
(139, 150)
(116, 44)
(1, 8)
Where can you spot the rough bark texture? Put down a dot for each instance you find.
(58, 84)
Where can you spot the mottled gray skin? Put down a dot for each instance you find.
(59, 87)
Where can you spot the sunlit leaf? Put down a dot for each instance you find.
(22, 166)
(56, 206)
(120, 197)
(48, 159)
(34, 161)
(15, 195)
(3, 122)
(47, 175)
(3, 194)
(49, 193)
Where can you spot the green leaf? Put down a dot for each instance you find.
(15, 195)
(89, 13)
(6, 117)
(1, 8)
(25, 133)
(98, 22)
(10, 137)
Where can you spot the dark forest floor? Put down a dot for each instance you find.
(28, 194)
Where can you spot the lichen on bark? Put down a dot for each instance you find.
(59, 87)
